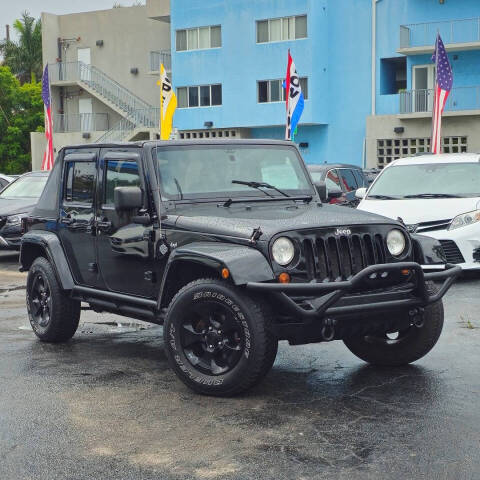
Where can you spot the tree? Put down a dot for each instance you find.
(21, 112)
(24, 57)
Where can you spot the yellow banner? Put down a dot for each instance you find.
(168, 104)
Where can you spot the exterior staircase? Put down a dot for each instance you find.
(137, 115)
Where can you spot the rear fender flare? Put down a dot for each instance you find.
(50, 245)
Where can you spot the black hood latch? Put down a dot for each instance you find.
(256, 234)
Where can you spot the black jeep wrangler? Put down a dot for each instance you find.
(228, 245)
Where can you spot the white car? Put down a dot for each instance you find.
(434, 195)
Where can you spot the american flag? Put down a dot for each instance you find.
(443, 85)
(47, 163)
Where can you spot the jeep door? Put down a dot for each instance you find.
(124, 248)
(77, 215)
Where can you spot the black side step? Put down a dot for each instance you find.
(135, 307)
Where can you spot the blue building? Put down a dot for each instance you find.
(229, 59)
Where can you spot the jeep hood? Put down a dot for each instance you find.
(239, 220)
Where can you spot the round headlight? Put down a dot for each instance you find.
(396, 242)
(283, 251)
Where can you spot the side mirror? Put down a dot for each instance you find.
(360, 192)
(321, 188)
(334, 192)
(127, 198)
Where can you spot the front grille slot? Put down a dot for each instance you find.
(339, 257)
(452, 252)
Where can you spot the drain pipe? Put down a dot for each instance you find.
(374, 56)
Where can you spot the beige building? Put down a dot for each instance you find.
(103, 70)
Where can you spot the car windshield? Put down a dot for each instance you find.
(434, 180)
(30, 186)
(192, 172)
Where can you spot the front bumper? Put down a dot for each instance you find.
(313, 302)
(460, 244)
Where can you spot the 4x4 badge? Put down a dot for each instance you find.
(343, 232)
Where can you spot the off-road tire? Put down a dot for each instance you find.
(416, 343)
(254, 317)
(64, 312)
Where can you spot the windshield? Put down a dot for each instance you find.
(209, 172)
(431, 179)
(30, 186)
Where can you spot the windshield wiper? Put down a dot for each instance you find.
(382, 197)
(432, 195)
(260, 186)
(179, 188)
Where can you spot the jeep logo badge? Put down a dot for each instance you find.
(343, 231)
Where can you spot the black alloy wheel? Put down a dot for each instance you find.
(41, 300)
(403, 346)
(211, 338)
(218, 339)
(53, 315)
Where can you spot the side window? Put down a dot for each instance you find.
(80, 182)
(120, 173)
(3, 183)
(332, 180)
(348, 179)
(361, 182)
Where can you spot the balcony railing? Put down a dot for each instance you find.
(460, 98)
(80, 122)
(453, 31)
(156, 58)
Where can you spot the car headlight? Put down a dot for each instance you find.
(283, 251)
(464, 219)
(16, 219)
(396, 242)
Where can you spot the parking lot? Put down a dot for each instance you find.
(106, 405)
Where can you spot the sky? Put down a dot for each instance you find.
(10, 10)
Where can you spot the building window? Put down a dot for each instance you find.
(272, 90)
(393, 75)
(199, 38)
(199, 96)
(390, 149)
(281, 29)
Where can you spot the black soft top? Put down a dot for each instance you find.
(182, 143)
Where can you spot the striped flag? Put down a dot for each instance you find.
(294, 99)
(443, 85)
(47, 163)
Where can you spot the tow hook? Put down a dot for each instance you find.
(417, 316)
(328, 330)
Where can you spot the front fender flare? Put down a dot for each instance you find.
(50, 244)
(246, 264)
(427, 250)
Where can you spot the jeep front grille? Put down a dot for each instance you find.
(334, 258)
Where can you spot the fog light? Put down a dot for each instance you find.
(284, 278)
(405, 272)
(384, 275)
(373, 276)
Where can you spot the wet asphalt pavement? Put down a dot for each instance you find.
(106, 405)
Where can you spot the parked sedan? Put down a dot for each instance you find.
(340, 181)
(17, 201)
(5, 180)
(438, 196)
